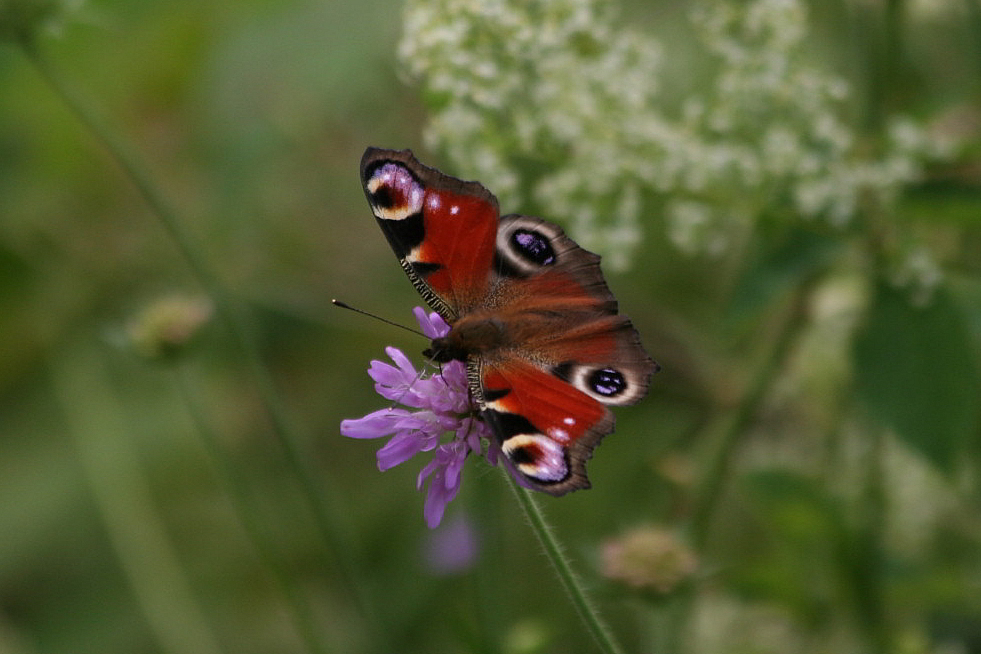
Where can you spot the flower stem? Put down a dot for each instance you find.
(595, 624)
(864, 558)
(303, 618)
(717, 473)
(137, 533)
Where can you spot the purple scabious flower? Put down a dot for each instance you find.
(442, 405)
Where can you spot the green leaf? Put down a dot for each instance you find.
(796, 562)
(775, 271)
(795, 504)
(917, 372)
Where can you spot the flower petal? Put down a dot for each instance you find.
(402, 362)
(454, 374)
(432, 325)
(431, 424)
(427, 470)
(439, 495)
(374, 425)
(402, 447)
(386, 374)
(451, 478)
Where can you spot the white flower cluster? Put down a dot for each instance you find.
(768, 136)
(554, 107)
(552, 84)
(916, 270)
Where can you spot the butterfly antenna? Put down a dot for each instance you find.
(345, 305)
(422, 371)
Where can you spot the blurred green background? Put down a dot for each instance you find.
(806, 465)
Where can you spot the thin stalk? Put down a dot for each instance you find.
(245, 509)
(326, 516)
(595, 624)
(137, 532)
(225, 307)
(717, 472)
(866, 570)
(974, 16)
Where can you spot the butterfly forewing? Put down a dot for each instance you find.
(441, 228)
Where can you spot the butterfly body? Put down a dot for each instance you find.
(529, 310)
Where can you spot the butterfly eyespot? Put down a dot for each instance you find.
(607, 382)
(604, 383)
(525, 245)
(394, 192)
(533, 246)
(537, 456)
(524, 455)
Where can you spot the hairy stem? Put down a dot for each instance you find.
(595, 624)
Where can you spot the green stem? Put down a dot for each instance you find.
(866, 555)
(225, 307)
(717, 473)
(136, 531)
(596, 626)
(326, 516)
(245, 509)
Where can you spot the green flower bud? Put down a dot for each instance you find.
(164, 328)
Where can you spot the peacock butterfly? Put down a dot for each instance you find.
(529, 310)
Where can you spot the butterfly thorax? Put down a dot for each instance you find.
(469, 335)
(486, 333)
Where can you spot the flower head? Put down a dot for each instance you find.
(165, 328)
(649, 558)
(442, 405)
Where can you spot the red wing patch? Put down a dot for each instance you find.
(458, 246)
(441, 228)
(546, 427)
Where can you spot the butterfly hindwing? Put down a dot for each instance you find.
(604, 359)
(545, 427)
(442, 229)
